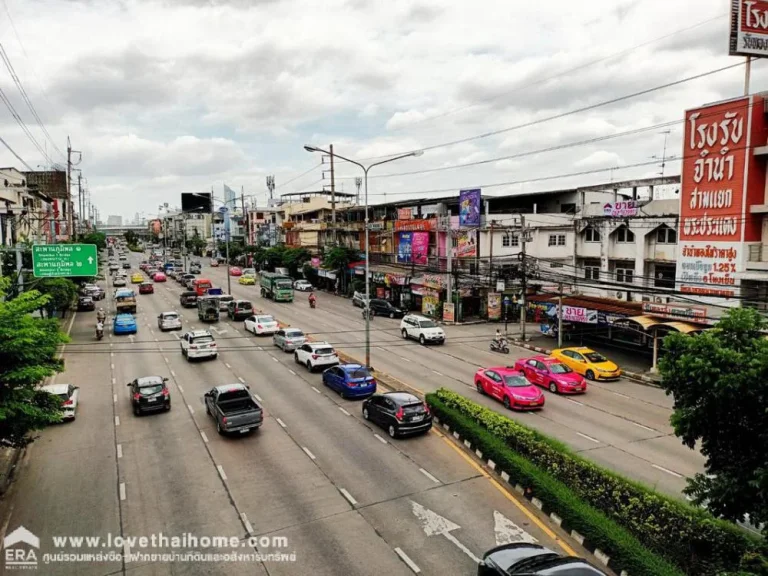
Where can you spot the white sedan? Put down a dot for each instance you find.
(69, 395)
(302, 286)
(261, 324)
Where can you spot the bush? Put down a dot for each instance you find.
(688, 537)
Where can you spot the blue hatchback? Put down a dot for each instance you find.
(350, 380)
(124, 324)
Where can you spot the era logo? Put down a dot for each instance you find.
(15, 555)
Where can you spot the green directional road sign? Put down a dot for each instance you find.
(57, 260)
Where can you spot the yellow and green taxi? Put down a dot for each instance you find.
(247, 280)
(585, 361)
(137, 278)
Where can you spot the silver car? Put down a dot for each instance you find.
(69, 396)
(224, 301)
(288, 339)
(169, 321)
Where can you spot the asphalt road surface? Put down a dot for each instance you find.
(316, 491)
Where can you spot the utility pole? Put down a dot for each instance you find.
(70, 219)
(333, 199)
(81, 202)
(524, 279)
(490, 258)
(560, 315)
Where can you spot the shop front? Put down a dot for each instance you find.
(428, 294)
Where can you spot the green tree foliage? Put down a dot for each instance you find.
(196, 245)
(339, 257)
(131, 238)
(719, 380)
(293, 258)
(27, 356)
(98, 238)
(60, 292)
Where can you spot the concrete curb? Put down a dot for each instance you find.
(9, 471)
(503, 476)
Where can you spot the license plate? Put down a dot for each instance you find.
(151, 399)
(417, 418)
(244, 430)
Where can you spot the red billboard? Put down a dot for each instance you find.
(749, 28)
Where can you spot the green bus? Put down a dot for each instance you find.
(277, 287)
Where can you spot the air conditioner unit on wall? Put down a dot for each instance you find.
(661, 299)
(621, 295)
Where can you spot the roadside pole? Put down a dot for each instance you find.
(524, 280)
(560, 315)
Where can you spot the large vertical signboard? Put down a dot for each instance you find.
(469, 208)
(720, 179)
(749, 28)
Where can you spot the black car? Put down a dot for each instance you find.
(399, 413)
(532, 560)
(149, 394)
(188, 299)
(384, 308)
(86, 303)
(127, 265)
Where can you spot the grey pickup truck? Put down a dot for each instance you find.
(233, 408)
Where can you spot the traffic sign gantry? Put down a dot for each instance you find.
(57, 260)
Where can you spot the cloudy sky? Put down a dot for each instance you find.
(166, 96)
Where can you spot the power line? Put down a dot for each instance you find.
(23, 126)
(12, 151)
(299, 176)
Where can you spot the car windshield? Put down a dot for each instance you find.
(149, 390)
(516, 381)
(244, 305)
(595, 357)
(294, 334)
(427, 324)
(124, 320)
(323, 351)
(265, 319)
(358, 373)
(284, 284)
(64, 396)
(559, 369)
(170, 316)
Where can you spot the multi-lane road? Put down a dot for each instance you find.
(322, 491)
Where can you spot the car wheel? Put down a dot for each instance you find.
(590, 375)
(365, 414)
(507, 403)
(168, 407)
(553, 387)
(392, 431)
(479, 388)
(219, 429)
(309, 366)
(296, 358)
(391, 314)
(422, 340)
(136, 411)
(405, 334)
(207, 410)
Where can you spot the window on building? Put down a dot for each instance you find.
(455, 242)
(592, 272)
(591, 234)
(505, 241)
(555, 264)
(664, 276)
(625, 275)
(665, 235)
(625, 236)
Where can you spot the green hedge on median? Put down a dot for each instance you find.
(689, 538)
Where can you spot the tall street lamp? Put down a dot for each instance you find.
(367, 259)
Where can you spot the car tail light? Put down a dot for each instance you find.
(193, 346)
(258, 325)
(426, 408)
(399, 413)
(68, 402)
(314, 356)
(137, 396)
(213, 344)
(224, 420)
(372, 381)
(166, 392)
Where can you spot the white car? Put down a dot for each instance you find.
(119, 281)
(198, 344)
(250, 272)
(169, 321)
(316, 354)
(422, 329)
(302, 286)
(224, 301)
(261, 324)
(69, 395)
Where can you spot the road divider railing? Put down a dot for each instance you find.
(638, 531)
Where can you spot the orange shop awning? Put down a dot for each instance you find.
(645, 322)
(682, 327)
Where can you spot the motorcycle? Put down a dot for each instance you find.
(500, 346)
(367, 313)
(99, 333)
(312, 304)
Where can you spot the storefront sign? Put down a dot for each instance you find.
(404, 214)
(378, 277)
(326, 274)
(500, 286)
(434, 281)
(376, 226)
(419, 247)
(404, 247)
(676, 312)
(494, 306)
(469, 208)
(582, 315)
(467, 244)
(429, 303)
(449, 312)
(710, 269)
(621, 209)
(381, 292)
(396, 279)
(749, 28)
(416, 225)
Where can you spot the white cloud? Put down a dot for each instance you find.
(599, 159)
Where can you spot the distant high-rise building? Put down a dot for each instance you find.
(230, 197)
(114, 220)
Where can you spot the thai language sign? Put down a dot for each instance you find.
(404, 214)
(58, 260)
(494, 306)
(621, 209)
(709, 270)
(469, 207)
(449, 312)
(419, 247)
(466, 244)
(576, 314)
(749, 28)
(416, 225)
(675, 312)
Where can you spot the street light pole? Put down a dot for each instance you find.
(367, 253)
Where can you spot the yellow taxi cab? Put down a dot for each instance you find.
(247, 280)
(585, 361)
(137, 278)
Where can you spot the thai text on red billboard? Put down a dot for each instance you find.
(749, 28)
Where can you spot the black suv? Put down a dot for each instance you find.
(149, 394)
(384, 308)
(399, 413)
(532, 560)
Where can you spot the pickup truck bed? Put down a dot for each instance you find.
(233, 408)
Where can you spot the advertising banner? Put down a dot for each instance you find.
(469, 207)
(582, 315)
(449, 312)
(404, 214)
(626, 209)
(416, 225)
(695, 313)
(429, 303)
(494, 306)
(467, 244)
(419, 247)
(749, 28)
(404, 247)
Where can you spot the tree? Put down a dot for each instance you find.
(196, 244)
(339, 258)
(60, 292)
(719, 380)
(293, 258)
(98, 238)
(27, 356)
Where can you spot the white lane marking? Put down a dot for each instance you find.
(173, 373)
(180, 387)
(227, 365)
(221, 472)
(122, 491)
(241, 380)
(176, 335)
(248, 527)
(348, 496)
(166, 358)
(292, 372)
(574, 402)
(588, 437)
(114, 398)
(119, 450)
(643, 427)
(111, 354)
(112, 366)
(280, 422)
(382, 349)
(117, 420)
(111, 345)
(436, 372)
(308, 453)
(668, 471)
(114, 380)
(408, 562)
(345, 412)
(620, 394)
(260, 348)
(275, 359)
(380, 439)
(404, 358)
(205, 438)
(315, 389)
(258, 398)
(156, 340)
(428, 475)
(191, 410)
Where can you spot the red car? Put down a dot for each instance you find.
(214, 263)
(235, 271)
(509, 387)
(159, 277)
(146, 288)
(551, 373)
